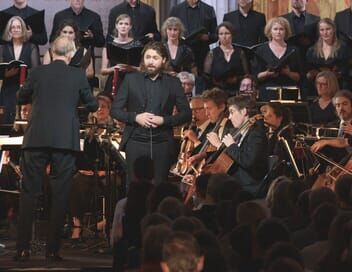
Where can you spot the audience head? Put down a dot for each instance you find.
(155, 58)
(215, 185)
(250, 213)
(15, 30)
(343, 190)
(171, 207)
(162, 191)
(322, 218)
(154, 219)
(283, 204)
(214, 103)
(275, 24)
(187, 224)
(172, 29)
(343, 104)
(181, 252)
(326, 84)
(123, 26)
(284, 264)
(319, 196)
(202, 185)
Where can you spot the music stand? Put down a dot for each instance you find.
(284, 93)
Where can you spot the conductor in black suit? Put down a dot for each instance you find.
(248, 24)
(145, 102)
(51, 138)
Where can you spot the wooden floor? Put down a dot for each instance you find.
(88, 257)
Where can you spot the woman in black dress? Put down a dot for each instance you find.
(180, 55)
(322, 109)
(277, 64)
(68, 28)
(121, 37)
(226, 64)
(328, 53)
(16, 47)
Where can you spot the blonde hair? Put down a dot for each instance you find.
(118, 19)
(281, 21)
(7, 32)
(333, 84)
(318, 47)
(172, 22)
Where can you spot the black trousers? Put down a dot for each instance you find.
(33, 164)
(161, 153)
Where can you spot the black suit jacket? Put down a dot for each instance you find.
(143, 18)
(131, 100)
(257, 24)
(343, 20)
(310, 24)
(55, 90)
(250, 158)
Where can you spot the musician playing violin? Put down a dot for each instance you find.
(343, 105)
(214, 101)
(249, 149)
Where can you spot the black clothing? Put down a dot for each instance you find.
(30, 56)
(338, 64)
(86, 20)
(343, 21)
(264, 58)
(322, 116)
(205, 18)
(75, 60)
(184, 59)
(309, 29)
(54, 108)
(225, 74)
(248, 30)
(143, 18)
(131, 100)
(250, 158)
(37, 38)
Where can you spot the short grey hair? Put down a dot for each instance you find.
(62, 46)
(186, 76)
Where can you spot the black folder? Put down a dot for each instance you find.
(248, 50)
(9, 65)
(192, 37)
(85, 60)
(124, 55)
(282, 62)
(35, 22)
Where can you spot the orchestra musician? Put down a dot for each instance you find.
(249, 150)
(54, 90)
(343, 105)
(145, 102)
(214, 101)
(272, 54)
(68, 28)
(122, 37)
(17, 47)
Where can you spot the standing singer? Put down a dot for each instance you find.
(145, 102)
(51, 137)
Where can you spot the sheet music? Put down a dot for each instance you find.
(11, 140)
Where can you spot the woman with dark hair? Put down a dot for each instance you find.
(277, 63)
(225, 64)
(180, 55)
(328, 53)
(16, 47)
(68, 28)
(322, 109)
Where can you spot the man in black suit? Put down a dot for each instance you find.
(51, 138)
(196, 14)
(343, 21)
(249, 149)
(145, 102)
(88, 21)
(21, 8)
(143, 18)
(248, 24)
(302, 22)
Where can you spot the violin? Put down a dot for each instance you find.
(333, 172)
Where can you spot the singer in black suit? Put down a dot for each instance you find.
(343, 21)
(145, 102)
(51, 138)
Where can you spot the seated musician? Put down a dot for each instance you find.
(248, 150)
(343, 105)
(90, 177)
(214, 101)
(328, 53)
(278, 118)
